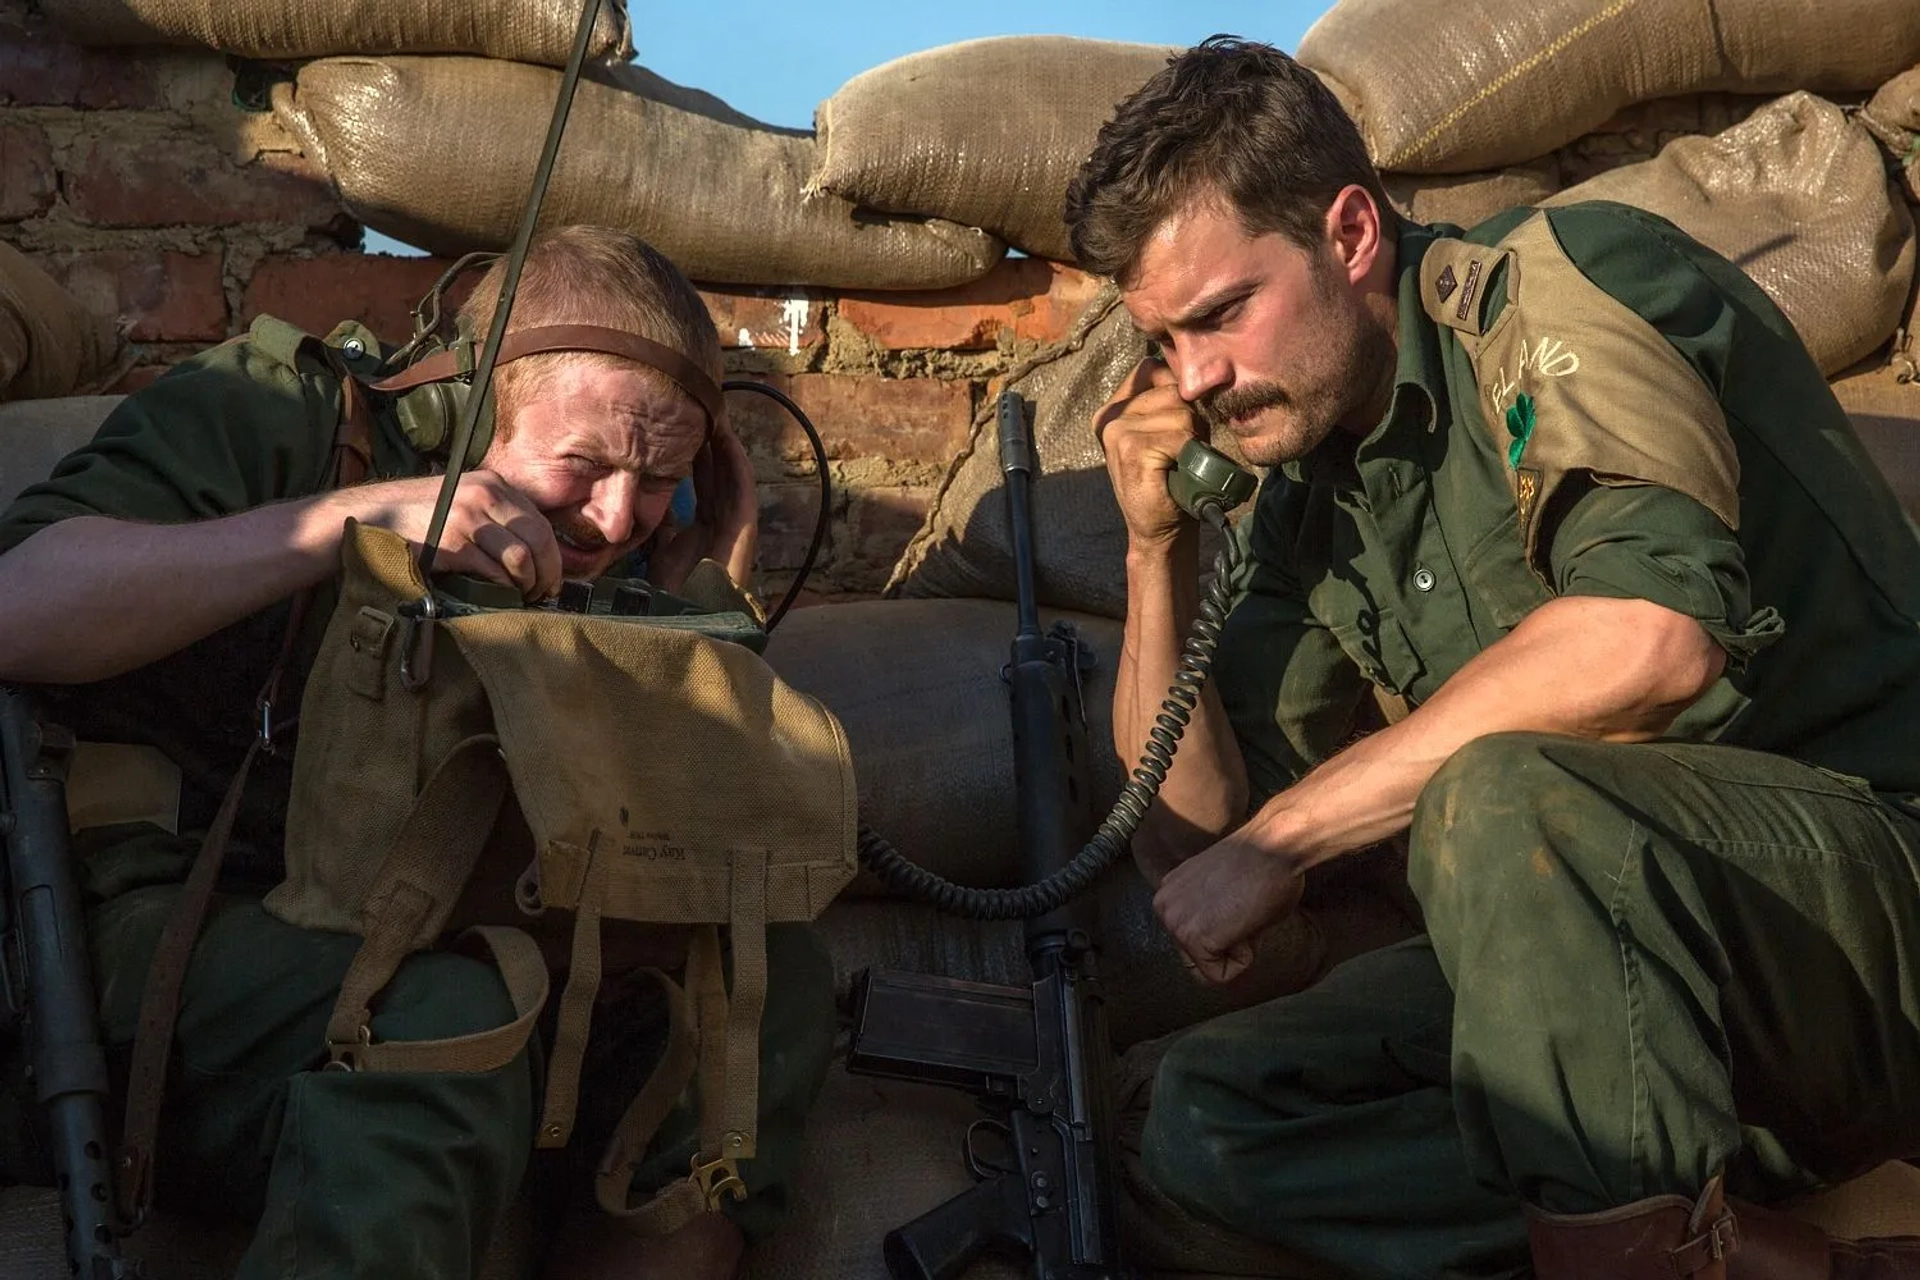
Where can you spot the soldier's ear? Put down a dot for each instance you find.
(1356, 231)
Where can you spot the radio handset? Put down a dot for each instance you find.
(1205, 479)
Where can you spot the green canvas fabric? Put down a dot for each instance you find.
(1644, 964)
(251, 1128)
(1340, 544)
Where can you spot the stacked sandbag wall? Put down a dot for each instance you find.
(164, 217)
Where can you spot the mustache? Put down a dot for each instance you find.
(1225, 407)
(577, 532)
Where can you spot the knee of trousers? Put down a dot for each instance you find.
(1190, 1146)
(1512, 833)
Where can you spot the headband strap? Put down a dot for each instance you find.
(684, 373)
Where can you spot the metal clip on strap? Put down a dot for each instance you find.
(718, 1179)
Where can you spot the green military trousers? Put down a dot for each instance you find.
(1643, 964)
(404, 1174)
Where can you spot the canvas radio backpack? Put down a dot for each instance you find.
(495, 778)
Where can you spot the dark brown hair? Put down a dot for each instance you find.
(593, 275)
(1231, 116)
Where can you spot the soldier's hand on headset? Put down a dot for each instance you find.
(493, 530)
(726, 522)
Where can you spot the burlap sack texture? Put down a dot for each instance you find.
(517, 30)
(1470, 198)
(916, 685)
(440, 152)
(1079, 543)
(991, 132)
(985, 132)
(1455, 88)
(1796, 195)
(1894, 117)
(50, 344)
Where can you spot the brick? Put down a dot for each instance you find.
(317, 293)
(168, 297)
(880, 523)
(1036, 300)
(903, 419)
(38, 68)
(791, 322)
(27, 182)
(787, 516)
(190, 181)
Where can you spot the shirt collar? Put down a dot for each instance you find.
(1419, 376)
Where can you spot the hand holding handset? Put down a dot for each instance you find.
(1203, 477)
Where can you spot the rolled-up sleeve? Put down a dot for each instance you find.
(1647, 542)
(223, 432)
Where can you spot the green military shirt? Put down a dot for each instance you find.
(249, 422)
(1586, 403)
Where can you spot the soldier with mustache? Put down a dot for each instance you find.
(1567, 490)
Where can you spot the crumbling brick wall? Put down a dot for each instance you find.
(135, 178)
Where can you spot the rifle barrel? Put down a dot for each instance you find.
(69, 1065)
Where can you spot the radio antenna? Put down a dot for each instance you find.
(516, 259)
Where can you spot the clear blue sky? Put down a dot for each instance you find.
(777, 60)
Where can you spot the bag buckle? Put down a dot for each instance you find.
(344, 1055)
(718, 1178)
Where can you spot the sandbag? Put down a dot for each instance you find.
(50, 344)
(985, 132)
(1454, 88)
(916, 685)
(440, 152)
(36, 434)
(1079, 541)
(1795, 195)
(516, 30)
(1894, 118)
(1470, 198)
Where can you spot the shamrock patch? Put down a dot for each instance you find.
(1520, 427)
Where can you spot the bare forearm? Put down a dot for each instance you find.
(1609, 670)
(1206, 791)
(92, 597)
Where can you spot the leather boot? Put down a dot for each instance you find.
(1662, 1238)
(1672, 1238)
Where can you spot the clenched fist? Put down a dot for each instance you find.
(1141, 429)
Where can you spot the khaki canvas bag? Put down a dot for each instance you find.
(665, 775)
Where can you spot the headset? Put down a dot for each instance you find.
(430, 382)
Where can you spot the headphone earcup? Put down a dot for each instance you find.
(430, 414)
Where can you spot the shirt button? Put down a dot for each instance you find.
(1423, 579)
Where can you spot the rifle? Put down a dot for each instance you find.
(1037, 1055)
(48, 982)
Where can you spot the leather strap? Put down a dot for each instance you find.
(160, 1005)
(523, 969)
(687, 375)
(432, 858)
(575, 1022)
(613, 1180)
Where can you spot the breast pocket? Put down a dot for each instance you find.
(1380, 647)
(1504, 589)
